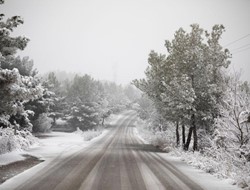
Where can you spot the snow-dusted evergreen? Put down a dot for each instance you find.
(18, 87)
(85, 103)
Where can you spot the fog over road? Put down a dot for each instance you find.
(118, 160)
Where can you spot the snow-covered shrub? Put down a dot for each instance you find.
(89, 134)
(10, 141)
(162, 138)
(43, 123)
(221, 162)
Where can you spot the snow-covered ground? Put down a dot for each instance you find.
(205, 180)
(11, 157)
(59, 144)
(49, 146)
(53, 144)
(50, 149)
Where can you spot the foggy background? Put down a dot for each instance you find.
(111, 39)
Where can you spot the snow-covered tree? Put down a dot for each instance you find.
(185, 85)
(84, 96)
(145, 107)
(85, 117)
(9, 45)
(104, 110)
(132, 93)
(115, 95)
(16, 89)
(24, 65)
(232, 126)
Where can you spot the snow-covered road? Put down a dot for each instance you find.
(116, 160)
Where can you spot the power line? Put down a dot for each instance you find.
(237, 40)
(241, 51)
(240, 47)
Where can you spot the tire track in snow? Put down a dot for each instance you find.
(117, 161)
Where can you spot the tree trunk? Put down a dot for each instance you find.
(15, 130)
(183, 135)
(241, 138)
(190, 131)
(102, 121)
(195, 145)
(177, 134)
(240, 128)
(54, 121)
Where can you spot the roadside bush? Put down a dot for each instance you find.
(89, 134)
(221, 162)
(164, 139)
(10, 141)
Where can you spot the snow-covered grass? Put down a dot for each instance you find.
(222, 165)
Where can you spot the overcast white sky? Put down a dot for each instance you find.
(111, 39)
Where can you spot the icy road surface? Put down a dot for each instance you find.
(117, 160)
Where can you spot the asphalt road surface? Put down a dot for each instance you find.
(119, 160)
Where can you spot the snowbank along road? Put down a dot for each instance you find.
(119, 160)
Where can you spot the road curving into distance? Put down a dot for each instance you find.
(117, 161)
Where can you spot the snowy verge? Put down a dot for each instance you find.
(89, 134)
(49, 145)
(221, 165)
(15, 141)
(53, 147)
(10, 157)
(205, 180)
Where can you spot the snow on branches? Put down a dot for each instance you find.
(15, 91)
